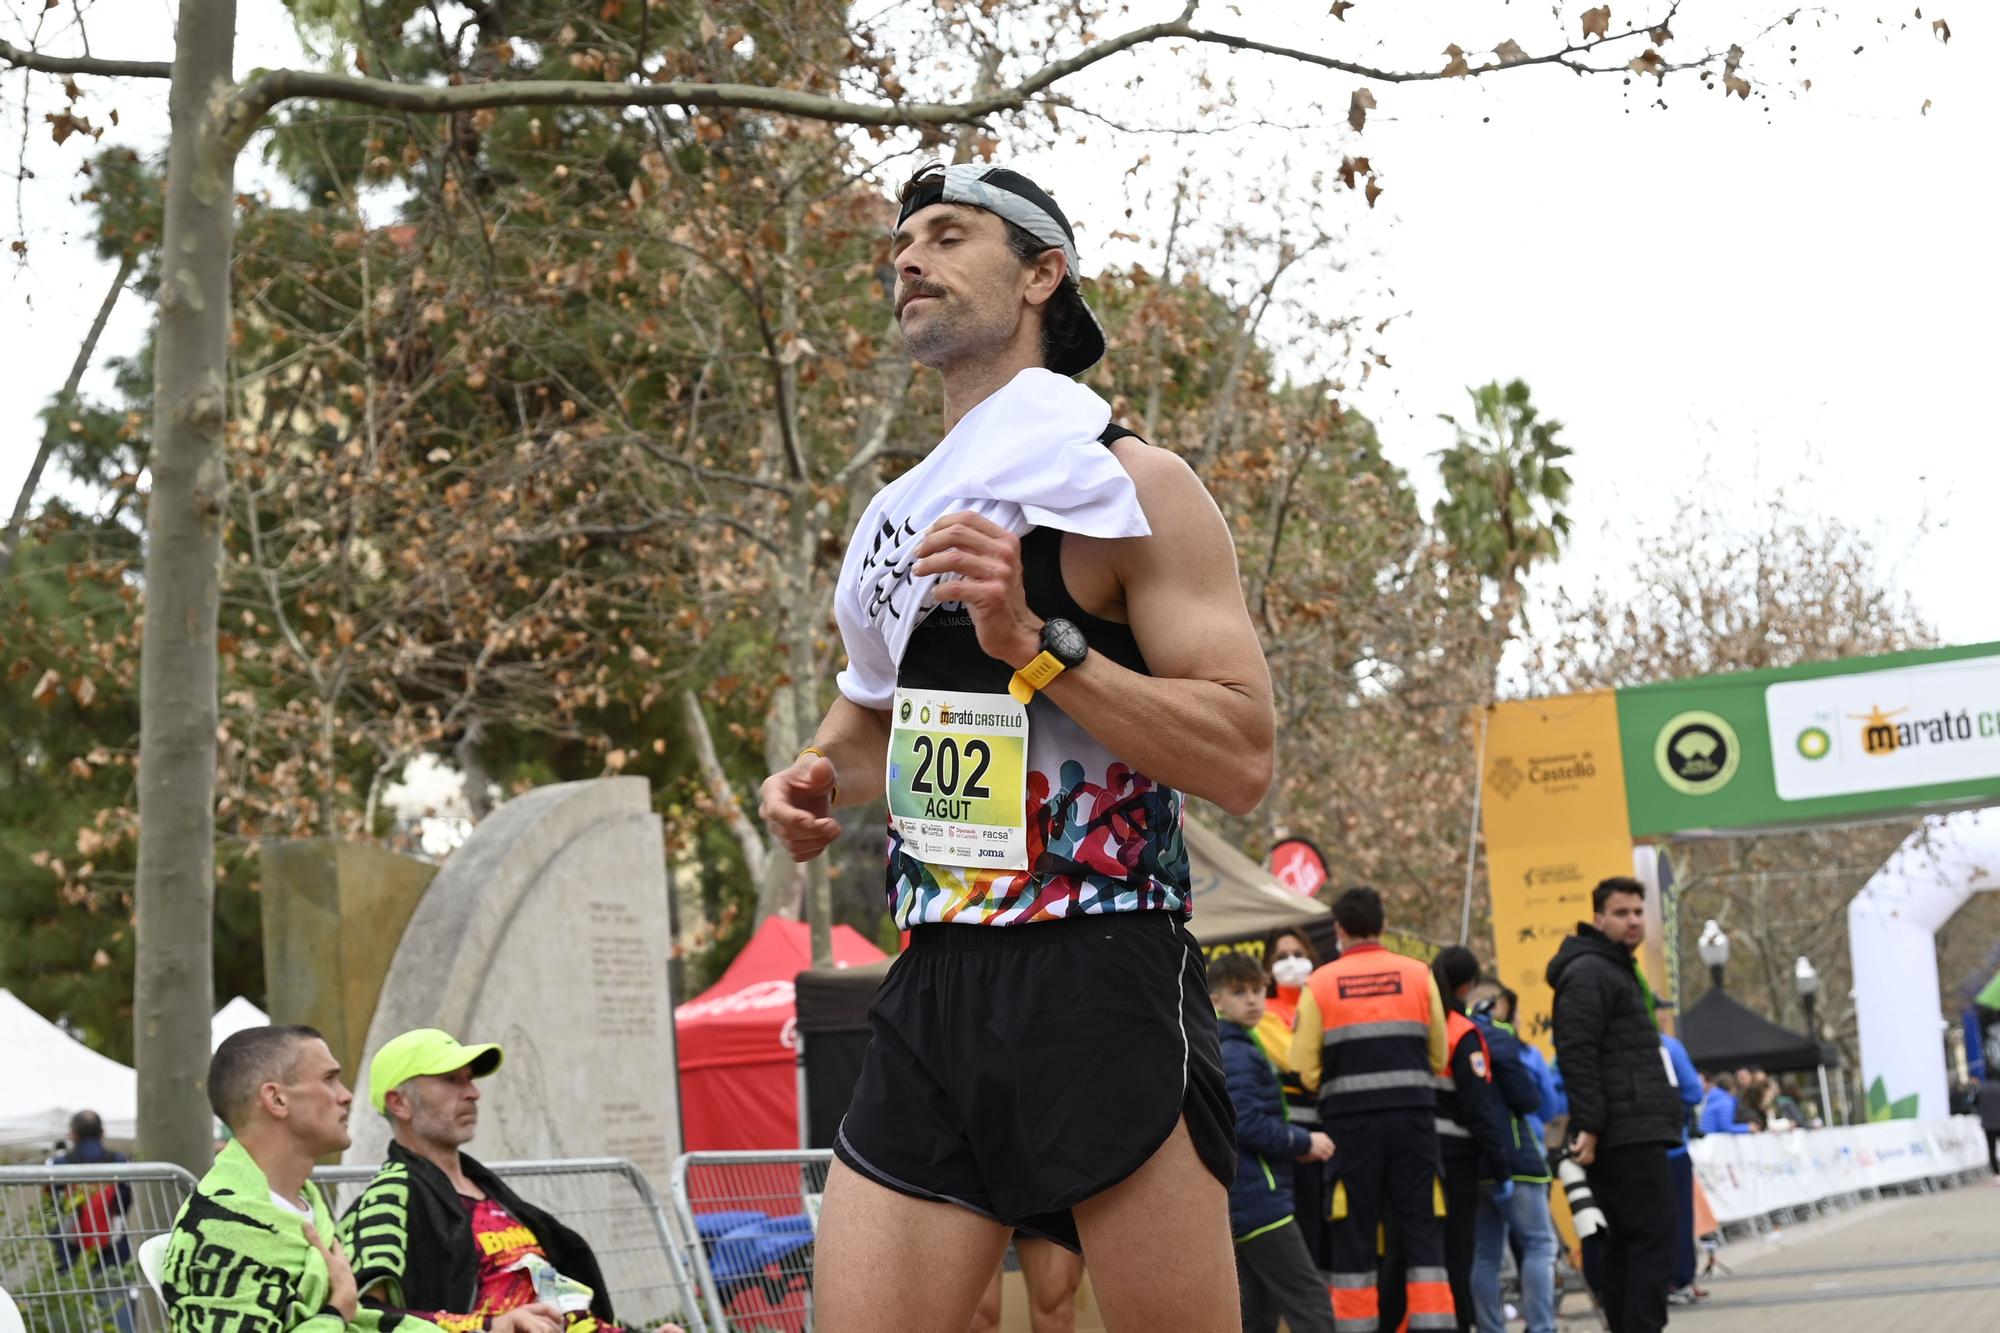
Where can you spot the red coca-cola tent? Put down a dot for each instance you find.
(738, 1041)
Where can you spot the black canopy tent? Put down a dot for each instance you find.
(1236, 902)
(1721, 1033)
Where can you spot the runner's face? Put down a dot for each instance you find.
(316, 1102)
(1624, 919)
(960, 292)
(444, 1108)
(1240, 1005)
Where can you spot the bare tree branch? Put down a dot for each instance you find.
(60, 412)
(256, 98)
(110, 69)
(756, 854)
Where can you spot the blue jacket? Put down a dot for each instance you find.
(1261, 1195)
(1521, 1088)
(1718, 1114)
(1555, 1099)
(1688, 1081)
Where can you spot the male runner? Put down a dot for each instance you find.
(1043, 1054)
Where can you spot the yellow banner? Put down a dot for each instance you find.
(1555, 821)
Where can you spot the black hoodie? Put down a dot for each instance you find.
(1607, 1047)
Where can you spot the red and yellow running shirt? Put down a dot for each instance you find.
(502, 1241)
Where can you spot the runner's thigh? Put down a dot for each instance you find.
(890, 1263)
(1158, 1249)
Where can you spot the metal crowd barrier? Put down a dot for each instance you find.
(69, 1237)
(611, 1205)
(752, 1218)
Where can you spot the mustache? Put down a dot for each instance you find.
(915, 289)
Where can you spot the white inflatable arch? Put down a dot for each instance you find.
(1892, 927)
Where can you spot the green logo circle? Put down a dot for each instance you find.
(1814, 743)
(1697, 753)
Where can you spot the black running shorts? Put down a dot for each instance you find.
(1019, 1070)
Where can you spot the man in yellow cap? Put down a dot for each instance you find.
(436, 1234)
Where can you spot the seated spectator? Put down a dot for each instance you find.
(437, 1234)
(246, 1254)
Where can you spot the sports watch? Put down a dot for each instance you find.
(1063, 646)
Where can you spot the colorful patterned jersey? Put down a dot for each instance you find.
(1102, 837)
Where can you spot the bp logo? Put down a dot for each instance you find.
(1697, 753)
(905, 713)
(925, 716)
(1814, 743)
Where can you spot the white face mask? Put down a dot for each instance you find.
(1292, 971)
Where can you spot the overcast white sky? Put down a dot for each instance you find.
(1718, 299)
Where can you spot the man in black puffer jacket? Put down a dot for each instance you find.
(1623, 1111)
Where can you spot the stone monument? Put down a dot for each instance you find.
(333, 913)
(547, 932)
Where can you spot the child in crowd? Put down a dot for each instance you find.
(1274, 1273)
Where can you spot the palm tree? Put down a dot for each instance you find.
(1505, 488)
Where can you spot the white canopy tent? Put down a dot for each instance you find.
(232, 1018)
(52, 1076)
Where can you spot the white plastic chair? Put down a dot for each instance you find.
(10, 1317)
(152, 1262)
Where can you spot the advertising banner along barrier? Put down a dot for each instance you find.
(1751, 1175)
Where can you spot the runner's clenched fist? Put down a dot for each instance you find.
(797, 805)
(979, 564)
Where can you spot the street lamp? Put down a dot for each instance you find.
(1714, 949)
(1805, 979)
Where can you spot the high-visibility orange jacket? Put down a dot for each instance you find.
(1370, 1033)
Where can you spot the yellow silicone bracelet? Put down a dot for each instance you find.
(833, 797)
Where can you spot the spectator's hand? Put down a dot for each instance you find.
(1321, 1149)
(539, 1317)
(1503, 1191)
(1583, 1147)
(341, 1293)
(797, 804)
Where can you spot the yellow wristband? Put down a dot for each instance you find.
(833, 796)
(1034, 676)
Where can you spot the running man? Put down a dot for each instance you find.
(1047, 646)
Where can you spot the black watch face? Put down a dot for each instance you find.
(1065, 640)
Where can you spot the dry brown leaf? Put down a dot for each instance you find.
(1340, 8)
(1510, 52)
(1358, 108)
(1648, 63)
(709, 31)
(1597, 22)
(47, 688)
(1734, 84)
(1941, 30)
(1661, 35)
(1454, 65)
(83, 689)
(1373, 192)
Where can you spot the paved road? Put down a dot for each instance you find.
(1929, 1263)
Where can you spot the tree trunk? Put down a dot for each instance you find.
(174, 986)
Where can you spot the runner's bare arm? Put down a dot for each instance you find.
(797, 803)
(1202, 721)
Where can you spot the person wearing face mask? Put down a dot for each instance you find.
(1292, 959)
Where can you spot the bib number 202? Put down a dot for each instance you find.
(938, 767)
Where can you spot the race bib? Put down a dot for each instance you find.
(958, 766)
